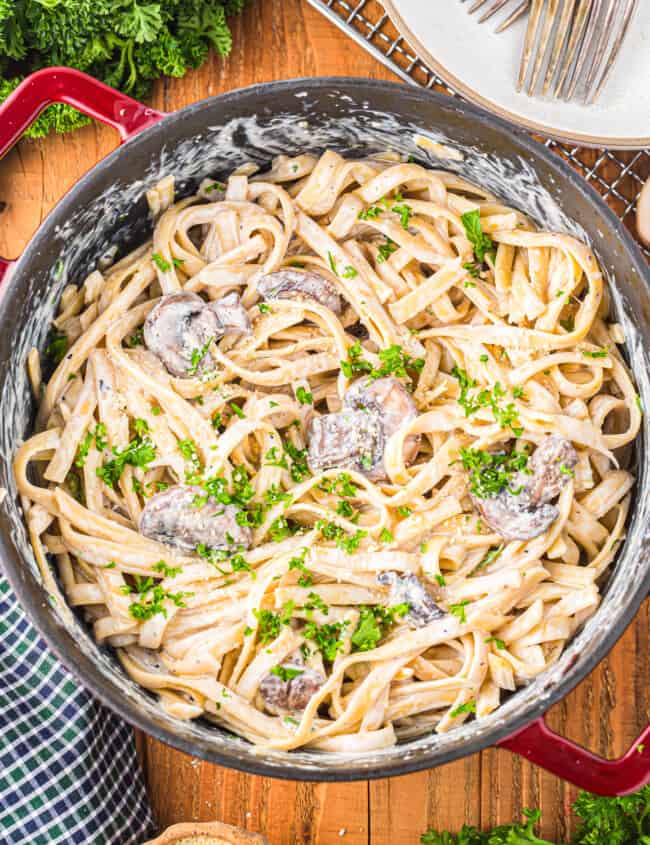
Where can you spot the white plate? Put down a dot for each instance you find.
(483, 67)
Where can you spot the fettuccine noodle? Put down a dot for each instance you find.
(352, 601)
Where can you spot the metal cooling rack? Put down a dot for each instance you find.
(617, 175)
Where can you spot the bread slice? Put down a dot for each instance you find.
(207, 833)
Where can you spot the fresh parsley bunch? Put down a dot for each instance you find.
(125, 43)
(603, 821)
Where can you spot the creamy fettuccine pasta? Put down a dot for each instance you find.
(339, 456)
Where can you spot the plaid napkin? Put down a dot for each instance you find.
(68, 769)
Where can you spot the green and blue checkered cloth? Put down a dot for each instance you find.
(68, 769)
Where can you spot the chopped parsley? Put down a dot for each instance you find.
(473, 269)
(139, 453)
(160, 262)
(373, 624)
(315, 602)
(469, 707)
(286, 673)
(482, 243)
(355, 364)
(394, 362)
(167, 571)
(491, 472)
(197, 356)
(565, 470)
(600, 353)
(386, 536)
(327, 638)
(404, 510)
(274, 495)
(349, 272)
(340, 485)
(440, 580)
(386, 250)
(273, 458)
(152, 597)
(304, 397)
(348, 542)
(306, 578)
(270, 624)
(98, 435)
(489, 558)
(299, 469)
(497, 642)
(264, 307)
(371, 213)
(135, 339)
(281, 528)
(405, 212)
(188, 450)
(344, 509)
(236, 409)
(232, 557)
(458, 610)
(507, 416)
(57, 346)
(332, 263)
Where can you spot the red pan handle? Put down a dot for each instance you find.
(77, 89)
(4, 267)
(66, 85)
(539, 744)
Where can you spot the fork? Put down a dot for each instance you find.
(580, 40)
(496, 6)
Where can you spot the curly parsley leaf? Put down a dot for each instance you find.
(482, 243)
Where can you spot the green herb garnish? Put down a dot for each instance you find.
(469, 707)
(482, 243)
(139, 453)
(304, 397)
(386, 250)
(160, 262)
(491, 472)
(57, 346)
(286, 673)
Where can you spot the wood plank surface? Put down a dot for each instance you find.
(277, 39)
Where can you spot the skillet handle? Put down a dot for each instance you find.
(539, 744)
(5, 267)
(77, 89)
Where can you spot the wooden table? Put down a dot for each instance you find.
(276, 39)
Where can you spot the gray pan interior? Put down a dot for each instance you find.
(209, 139)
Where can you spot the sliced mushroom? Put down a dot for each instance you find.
(178, 326)
(293, 694)
(231, 313)
(300, 284)
(528, 513)
(550, 464)
(409, 589)
(390, 401)
(348, 439)
(178, 518)
(506, 515)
